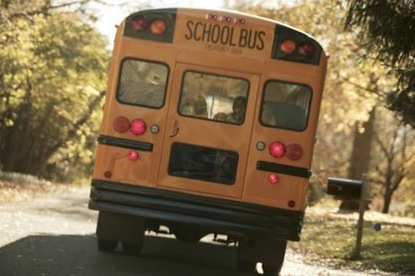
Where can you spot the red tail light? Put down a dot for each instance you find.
(306, 49)
(139, 24)
(121, 124)
(158, 26)
(138, 127)
(277, 149)
(294, 152)
(288, 46)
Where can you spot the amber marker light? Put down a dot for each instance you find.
(158, 26)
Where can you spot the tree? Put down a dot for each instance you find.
(388, 33)
(360, 158)
(396, 151)
(52, 72)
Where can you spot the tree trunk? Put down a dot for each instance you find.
(359, 160)
(387, 198)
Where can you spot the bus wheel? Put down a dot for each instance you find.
(107, 245)
(270, 270)
(246, 266)
(132, 249)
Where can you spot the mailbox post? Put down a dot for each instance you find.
(343, 189)
(360, 222)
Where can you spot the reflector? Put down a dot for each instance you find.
(108, 174)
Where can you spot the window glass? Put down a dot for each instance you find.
(214, 97)
(142, 83)
(285, 105)
(203, 163)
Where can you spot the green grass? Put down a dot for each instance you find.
(331, 238)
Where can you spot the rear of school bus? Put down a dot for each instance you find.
(209, 126)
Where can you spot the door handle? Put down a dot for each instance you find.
(175, 129)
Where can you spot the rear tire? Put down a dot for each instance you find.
(246, 266)
(106, 245)
(132, 249)
(270, 270)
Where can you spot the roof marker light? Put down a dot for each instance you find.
(225, 19)
(211, 17)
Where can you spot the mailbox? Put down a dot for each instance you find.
(344, 188)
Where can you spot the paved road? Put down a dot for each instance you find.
(54, 235)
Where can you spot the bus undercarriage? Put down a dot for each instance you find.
(126, 212)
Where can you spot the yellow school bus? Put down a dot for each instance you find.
(209, 126)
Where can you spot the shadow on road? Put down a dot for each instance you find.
(78, 255)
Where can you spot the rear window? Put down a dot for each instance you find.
(142, 83)
(214, 97)
(285, 105)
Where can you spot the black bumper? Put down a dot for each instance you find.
(222, 216)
